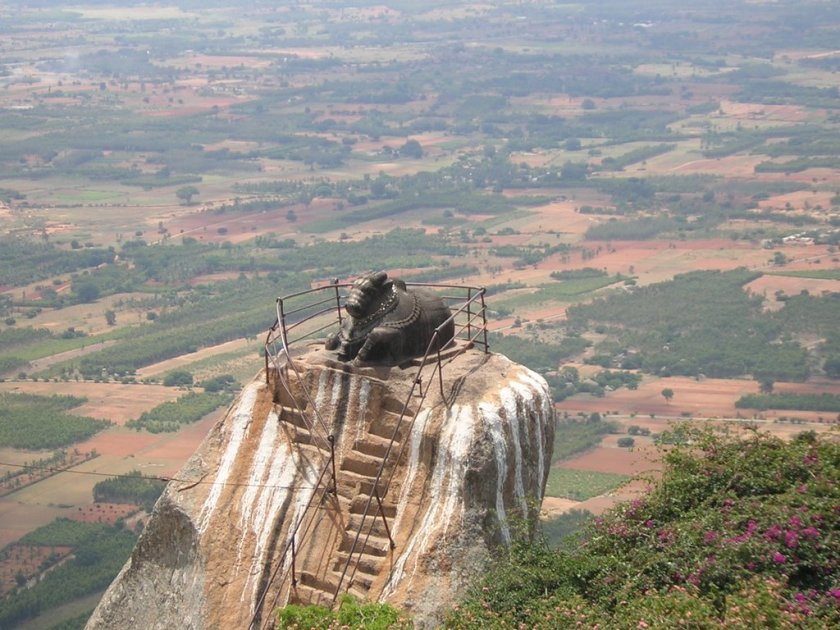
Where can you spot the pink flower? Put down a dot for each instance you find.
(791, 540)
(795, 521)
(709, 537)
(773, 533)
(803, 488)
(778, 558)
(810, 532)
(751, 526)
(649, 523)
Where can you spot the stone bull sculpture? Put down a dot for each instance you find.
(388, 323)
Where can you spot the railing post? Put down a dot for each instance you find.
(469, 312)
(382, 512)
(337, 300)
(331, 440)
(294, 579)
(440, 373)
(484, 320)
(282, 320)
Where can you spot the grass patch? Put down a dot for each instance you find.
(57, 345)
(39, 422)
(571, 438)
(580, 485)
(817, 274)
(790, 401)
(566, 291)
(170, 416)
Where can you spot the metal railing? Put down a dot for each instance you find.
(299, 319)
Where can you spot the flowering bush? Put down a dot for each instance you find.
(739, 532)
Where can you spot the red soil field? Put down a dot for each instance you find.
(707, 398)
(767, 285)
(102, 512)
(26, 559)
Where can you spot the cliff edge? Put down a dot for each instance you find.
(342, 479)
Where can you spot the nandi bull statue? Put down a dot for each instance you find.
(387, 323)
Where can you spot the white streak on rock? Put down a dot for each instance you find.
(413, 464)
(538, 388)
(278, 484)
(240, 422)
(266, 456)
(364, 401)
(509, 403)
(493, 422)
(446, 488)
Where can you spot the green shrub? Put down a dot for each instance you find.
(739, 531)
(351, 614)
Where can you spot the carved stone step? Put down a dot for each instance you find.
(362, 563)
(309, 596)
(360, 503)
(372, 524)
(313, 581)
(360, 463)
(373, 546)
(375, 445)
(383, 425)
(355, 579)
(292, 416)
(350, 483)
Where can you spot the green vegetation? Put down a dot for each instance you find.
(578, 274)
(351, 614)
(738, 532)
(724, 334)
(819, 274)
(37, 422)
(171, 416)
(99, 553)
(132, 487)
(24, 261)
(537, 355)
(800, 402)
(568, 382)
(580, 485)
(559, 530)
(178, 378)
(576, 436)
(636, 155)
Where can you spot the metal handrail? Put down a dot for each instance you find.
(436, 368)
(279, 332)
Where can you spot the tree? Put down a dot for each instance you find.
(668, 394)
(832, 366)
(626, 442)
(110, 317)
(411, 149)
(765, 384)
(186, 193)
(178, 377)
(86, 291)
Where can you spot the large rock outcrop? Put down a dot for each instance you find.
(462, 463)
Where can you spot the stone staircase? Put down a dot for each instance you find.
(359, 547)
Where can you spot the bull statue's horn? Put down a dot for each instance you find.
(379, 278)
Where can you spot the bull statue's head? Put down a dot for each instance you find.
(367, 294)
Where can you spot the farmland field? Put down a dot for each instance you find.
(621, 178)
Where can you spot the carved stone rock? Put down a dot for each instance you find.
(474, 459)
(388, 323)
